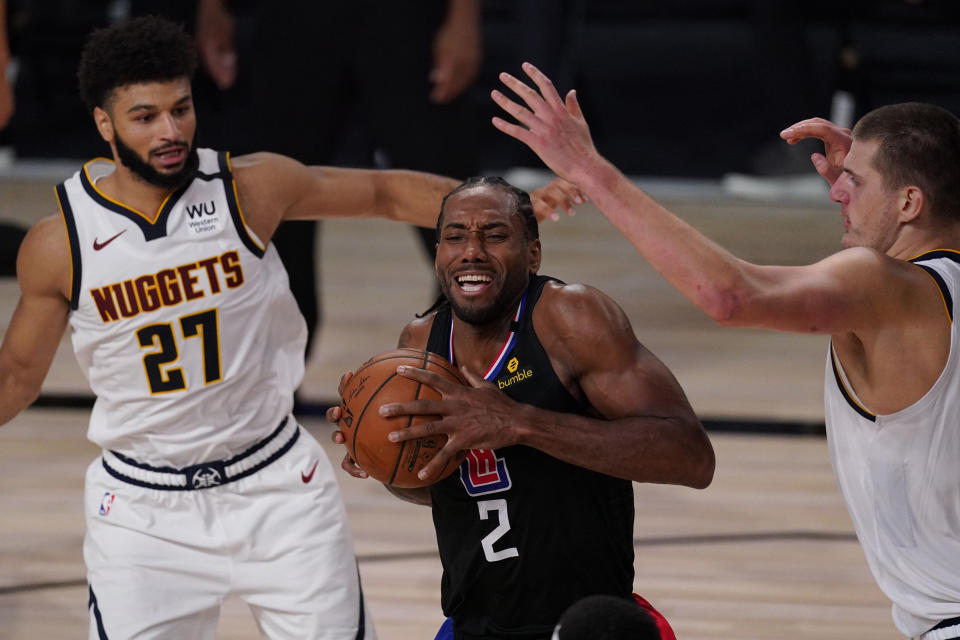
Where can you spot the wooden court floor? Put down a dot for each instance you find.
(766, 552)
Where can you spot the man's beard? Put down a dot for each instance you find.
(478, 316)
(132, 161)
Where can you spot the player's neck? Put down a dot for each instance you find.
(477, 346)
(133, 191)
(915, 241)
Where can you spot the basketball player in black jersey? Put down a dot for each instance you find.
(564, 409)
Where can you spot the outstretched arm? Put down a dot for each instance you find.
(39, 319)
(273, 188)
(642, 428)
(828, 297)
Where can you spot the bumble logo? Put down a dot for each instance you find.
(518, 376)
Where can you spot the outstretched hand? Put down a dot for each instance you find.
(477, 416)
(553, 128)
(559, 194)
(836, 142)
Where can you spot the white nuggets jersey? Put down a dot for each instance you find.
(900, 477)
(185, 327)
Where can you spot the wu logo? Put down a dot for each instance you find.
(195, 210)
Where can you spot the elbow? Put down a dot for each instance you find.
(702, 475)
(703, 461)
(726, 306)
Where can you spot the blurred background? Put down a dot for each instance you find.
(686, 96)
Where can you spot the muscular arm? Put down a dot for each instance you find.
(827, 297)
(39, 319)
(273, 188)
(644, 428)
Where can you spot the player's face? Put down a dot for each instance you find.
(868, 208)
(484, 259)
(151, 127)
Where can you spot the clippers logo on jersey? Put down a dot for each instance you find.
(202, 217)
(483, 472)
(168, 287)
(106, 502)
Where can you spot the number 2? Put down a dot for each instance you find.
(205, 325)
(500, 507)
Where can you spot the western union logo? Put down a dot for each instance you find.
(515, 378)
(512, 365)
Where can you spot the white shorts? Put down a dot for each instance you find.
(160, 562)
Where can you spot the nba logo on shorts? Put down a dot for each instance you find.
(106, 502)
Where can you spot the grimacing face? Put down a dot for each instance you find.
(484, 259)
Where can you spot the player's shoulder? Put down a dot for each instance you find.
(46, 237)
(416, 333)
(573, 303)
(871, 269)
(43, 260)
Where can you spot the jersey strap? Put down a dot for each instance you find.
(511, 340)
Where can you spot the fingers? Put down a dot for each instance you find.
(412, 408)
(435, 467)
(827, 171)
(573, 105)
(558, 194)
(814, 128)
(533, 99)
(521, 114)
(344, 380)
(427, 377)
(512, 130)
(350, 466)
(547, 90)
(333, 414)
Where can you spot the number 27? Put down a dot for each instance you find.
(204, 325)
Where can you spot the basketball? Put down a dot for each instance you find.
(377, 383)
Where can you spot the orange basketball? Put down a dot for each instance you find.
(377, 383)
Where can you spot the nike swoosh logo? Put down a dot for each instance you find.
(100, 245)
(307, 477)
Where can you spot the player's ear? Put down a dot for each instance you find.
(104, 123)
(534, 255)
(910, 200)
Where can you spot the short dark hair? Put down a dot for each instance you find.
(521, 201)
(145, 49)
(605, 617)
(523, 206)
(919, 144)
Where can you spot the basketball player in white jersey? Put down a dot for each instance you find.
(160, 261)
(889, 301)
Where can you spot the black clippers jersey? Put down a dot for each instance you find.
(521, 534)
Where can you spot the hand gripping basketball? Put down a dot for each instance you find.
(365, 431)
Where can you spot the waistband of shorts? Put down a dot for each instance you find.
(205, 474)
(946, 630)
